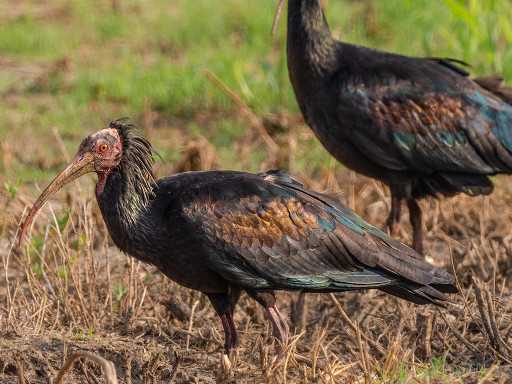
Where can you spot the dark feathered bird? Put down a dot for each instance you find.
(420, 125)
(225, 232)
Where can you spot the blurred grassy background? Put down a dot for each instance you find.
(77, 65)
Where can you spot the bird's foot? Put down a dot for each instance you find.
(232, 355)
(225, 372)
(227, 365)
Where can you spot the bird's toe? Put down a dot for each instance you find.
(226, 368)
(233, 356)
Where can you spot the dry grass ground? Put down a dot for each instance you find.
(71, 290)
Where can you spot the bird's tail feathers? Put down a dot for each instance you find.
(449, 184)
(422, 294)
(399, 259)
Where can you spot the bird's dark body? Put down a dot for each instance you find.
(223, 232)
(417, 124)
(209, 231)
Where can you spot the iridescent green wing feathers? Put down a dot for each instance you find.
(269, 231)
(427, 117)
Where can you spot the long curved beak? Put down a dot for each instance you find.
(82, 163)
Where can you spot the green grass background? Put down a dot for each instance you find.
(121, 56)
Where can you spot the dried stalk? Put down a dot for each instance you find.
(457, 334)
(191, 322)
(20, 373)
(345, 317)
(276, 17)
(108, 367)
(485, 308)
(272, 147)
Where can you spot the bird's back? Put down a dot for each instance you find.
(268, 232)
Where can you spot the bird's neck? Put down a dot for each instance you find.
(311, 49)
(123, 202)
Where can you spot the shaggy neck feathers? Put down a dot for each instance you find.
(129, 185)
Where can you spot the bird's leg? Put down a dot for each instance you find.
(224, 304)
(417, 225)
(229, 358)
(298, 311)
(232, 340)
(395, 215)
(279, 326)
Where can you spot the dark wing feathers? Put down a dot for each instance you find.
(280, 235)
(430, 118)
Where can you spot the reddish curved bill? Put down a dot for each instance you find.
(80, 165)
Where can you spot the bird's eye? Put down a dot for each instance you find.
(103, 147)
